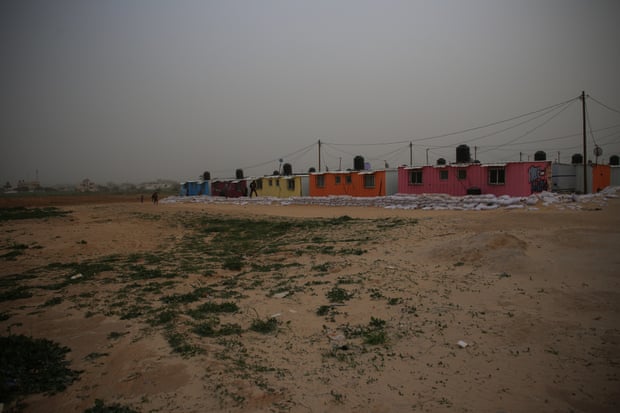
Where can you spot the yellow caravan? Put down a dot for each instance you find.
(279, 186)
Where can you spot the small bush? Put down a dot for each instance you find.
(323, 310)
(338, 295)
(264, 326)
(29, 365)
(234, 263)
(101, 407)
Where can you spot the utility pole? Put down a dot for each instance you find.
(426, 156)
(319, 155)
(558, 156)
(410, 153)
(585, 153)
(475, 153)
(520, 156)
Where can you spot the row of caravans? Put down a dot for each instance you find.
(510, 178)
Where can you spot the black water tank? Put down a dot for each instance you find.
(614, 160)
(312, 170)
(239, 173)
(462, 154)
(577, 159)
(540, 156)
(358, 163)
(287, 169)
(206, 175)
(441, 161)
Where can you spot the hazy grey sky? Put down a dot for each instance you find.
(122, 90)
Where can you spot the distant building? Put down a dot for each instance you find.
(86, 186)
(27, 186)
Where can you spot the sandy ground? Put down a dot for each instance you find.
(534, 294)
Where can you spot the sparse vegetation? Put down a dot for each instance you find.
(267, 326)
(101, 407)
(338, 295)
(29, 365)
(7, 214)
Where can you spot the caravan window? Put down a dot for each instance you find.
(415, 177)
(369, 181)
(497, 176)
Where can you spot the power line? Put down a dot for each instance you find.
(604, 105)
(510, 127)
(495, 123)
(532, 130)
(545, 109)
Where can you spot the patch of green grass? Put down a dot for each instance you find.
(208, 329)
(375, 294)
(52, 302)
(12, 255)
(375, 338)
(272, 267)
(178, 343)
(323, 310)
(140, 272)
(348, 280)
(134, 311)
(208, 308)
(267, 326)
(233, 263)
(163, 317)
(190, 297)
(101, 407)
(95, 356)
(7, 214)
(376, 323)
(88, 269)
(115, 335)
(30, 366)
(338, 295)
(372, 334)
(15, 294)
(324, 267)
(351, 251)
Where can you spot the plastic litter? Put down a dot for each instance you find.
(462, 344)
(76, 276)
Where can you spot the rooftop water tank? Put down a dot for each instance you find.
(462, 154)
(358, 163)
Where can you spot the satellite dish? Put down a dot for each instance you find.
(598, 151)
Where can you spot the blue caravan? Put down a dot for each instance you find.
(193, 188)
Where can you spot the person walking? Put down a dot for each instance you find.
(253, 189)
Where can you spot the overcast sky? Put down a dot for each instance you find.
(129, 91)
